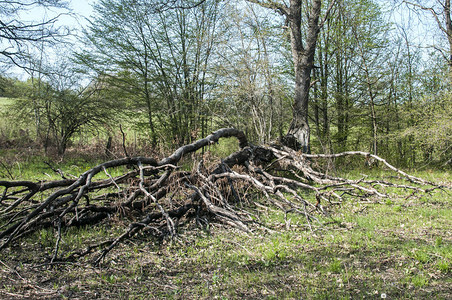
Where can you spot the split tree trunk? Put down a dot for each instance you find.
(303, 58)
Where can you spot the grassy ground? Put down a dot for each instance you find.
(4, 103)
(396, 248)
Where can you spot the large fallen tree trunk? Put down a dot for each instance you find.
(155, 195)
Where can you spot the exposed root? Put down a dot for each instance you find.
(156, 195)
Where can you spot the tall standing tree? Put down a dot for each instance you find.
(303, 53)
(159, 56)
(249, 78)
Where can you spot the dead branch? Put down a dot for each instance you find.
(154, 196)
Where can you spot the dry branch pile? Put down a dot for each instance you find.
(154, 196)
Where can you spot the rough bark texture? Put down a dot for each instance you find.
(156, 195)
(303, 58)
(447, 15)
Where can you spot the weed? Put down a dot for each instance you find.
(444, 266)
(419, 281)
(335, 266)
(438, 241)
(398, 208)
(421, 256)
(46, 238)
(109, 278)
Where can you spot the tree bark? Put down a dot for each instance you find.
(298, 136)
(447, 13)
(303, 58)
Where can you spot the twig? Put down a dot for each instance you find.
(10, 175)
(57, 243)
(123, 141)
(58, 171)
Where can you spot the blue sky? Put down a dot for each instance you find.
(79, 8)
(73, 19)
(420, 29)
(400, 15)
(83, 8)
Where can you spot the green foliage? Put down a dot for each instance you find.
(173, 75)
(432, 129)
(252, 91)
(157, 61)
(366, 62)
(419, 281)
(444, 266)
(5, 103)
(12, 88)
(55, 108)
(335, 266)
(46, 238)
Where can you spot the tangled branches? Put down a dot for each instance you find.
(155, 195)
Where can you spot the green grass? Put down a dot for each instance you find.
(5, 102)
(20, 165)
(399, 247)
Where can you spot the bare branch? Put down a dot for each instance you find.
(155, 196)
(282, 9)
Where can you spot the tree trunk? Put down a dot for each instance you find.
(447, 15)
(303, 59)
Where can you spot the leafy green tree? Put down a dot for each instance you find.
(250, 88)
(60, 107)
(371, 43)
(428, 117)
(166, 54)
(298, 14)
(350, 77)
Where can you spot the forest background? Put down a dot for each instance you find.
(170, 75)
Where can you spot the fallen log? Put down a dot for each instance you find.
(156, 194)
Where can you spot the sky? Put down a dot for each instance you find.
(82, 8)
(74, 19)
(79, 8)
(401, 15)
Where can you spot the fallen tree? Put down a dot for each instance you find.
(154, 195)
